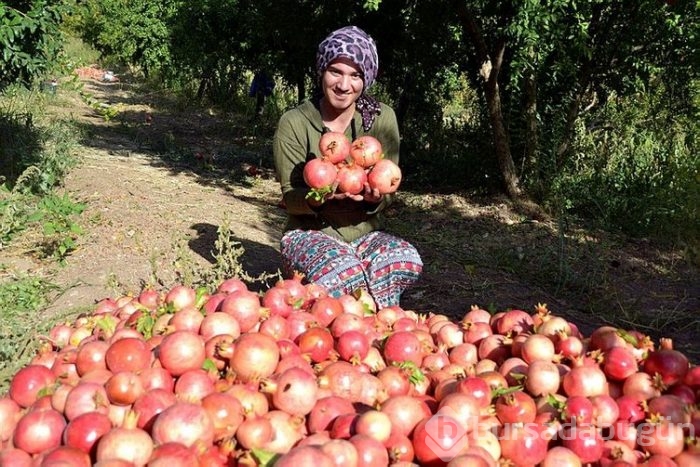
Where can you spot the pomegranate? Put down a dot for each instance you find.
(180, 297)
(385, 176)
(366, 151)
(39, 430)
(183, 422)
(28, 382)
(127, 442)
(351, 179)
(334, 146)
(85, 430)
(181, 351)
(255, 356)
(319, 173)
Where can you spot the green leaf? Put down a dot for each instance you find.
(416, 375)
(35, 216)
(209, 365)
(627, 337)
(318, 194)
(107, 325)
(264, 458)
(201, 297)
(144, 325)
(556, 403)
(504, 391)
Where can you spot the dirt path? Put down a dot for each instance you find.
(156, 192)
(159, 182)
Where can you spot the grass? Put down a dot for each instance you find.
(21, 298)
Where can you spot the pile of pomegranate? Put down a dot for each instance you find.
(290, 376)
(346, 167)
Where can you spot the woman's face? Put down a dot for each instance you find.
(342, 83)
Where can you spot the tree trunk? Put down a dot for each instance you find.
(584, 77)
(490, 68)
(500, 137)
(532, 137)
(203, 84)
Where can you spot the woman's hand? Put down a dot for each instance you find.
(342, 195)
(371, 195)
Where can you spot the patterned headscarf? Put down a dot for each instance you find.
(356, 45)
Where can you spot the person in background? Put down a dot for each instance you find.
(340, 242)
(261, 88)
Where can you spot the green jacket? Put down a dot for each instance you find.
(296, 139)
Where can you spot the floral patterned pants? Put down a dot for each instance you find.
(378, 262)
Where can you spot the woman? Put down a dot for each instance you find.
(340, 242)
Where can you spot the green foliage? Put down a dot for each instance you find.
(635, 167)
(55, 214)
(20, 145)
(35, 158)
(14, 211)
(372, 5)
(30, 39)
(208, 48)
(578, 55)
(78, 54)
(104, 109)
(20, 300)
(130, 32)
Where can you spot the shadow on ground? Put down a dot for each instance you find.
(257, 259)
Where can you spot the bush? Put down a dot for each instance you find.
(30, 40)
(35, 157)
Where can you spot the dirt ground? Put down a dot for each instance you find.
(159, 181)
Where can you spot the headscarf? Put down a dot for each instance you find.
(356, 45)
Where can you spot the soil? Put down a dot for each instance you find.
(159, 179)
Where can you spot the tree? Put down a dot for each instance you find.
(491, 57)
(29, 38)
(135, 32)
(542, 64)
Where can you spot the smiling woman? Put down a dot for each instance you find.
(338, 239)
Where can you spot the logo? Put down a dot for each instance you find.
(445, 434)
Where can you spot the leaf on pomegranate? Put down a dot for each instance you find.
(209, 366)
(503, 391)
(556, 403)
(415, 376)
(145, 324)
(517, 376)
(106, 325)
(201, 297)
(318, 194)
(264, 458)
(627, 337)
